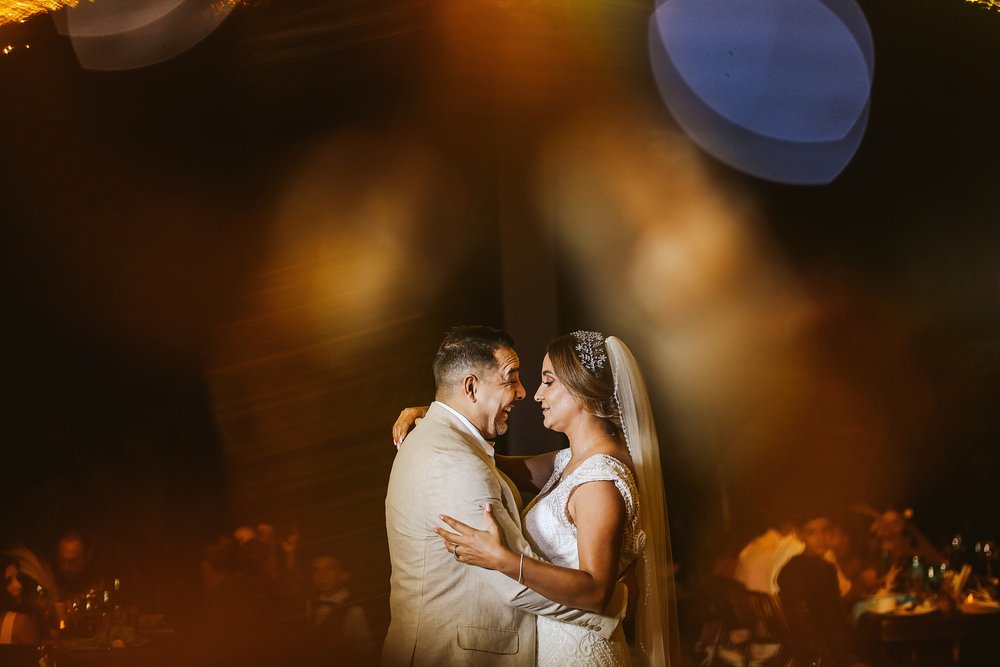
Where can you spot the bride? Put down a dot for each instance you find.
(599, 510)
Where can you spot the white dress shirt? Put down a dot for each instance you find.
(483, 442)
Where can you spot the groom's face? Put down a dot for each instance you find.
(498, 389)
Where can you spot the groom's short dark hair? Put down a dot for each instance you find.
(467, 347)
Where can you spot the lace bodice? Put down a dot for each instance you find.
(547, 521)
(552, 534)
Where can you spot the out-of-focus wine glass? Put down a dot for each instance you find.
(47, 610)
(956, 552)
(989, 556)
(918, 575)
(935, 575)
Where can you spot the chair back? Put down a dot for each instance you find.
(764, 619)
(762, 615)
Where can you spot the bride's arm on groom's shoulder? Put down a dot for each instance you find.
(529, 473)
(599, 513)
(407, 419)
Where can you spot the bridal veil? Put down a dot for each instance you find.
(657, 636)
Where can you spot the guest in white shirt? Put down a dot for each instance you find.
(753, 569)
(791, 546)
(762, 558)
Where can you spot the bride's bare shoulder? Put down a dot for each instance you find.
(619, 452)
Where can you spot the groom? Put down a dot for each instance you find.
(444, 612)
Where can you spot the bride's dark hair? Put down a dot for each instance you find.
(594, 389)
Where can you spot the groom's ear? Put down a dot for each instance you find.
(469, 386)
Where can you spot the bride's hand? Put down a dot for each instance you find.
(484, 548)
(407, 419)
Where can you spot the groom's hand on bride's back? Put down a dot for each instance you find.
(407, 419)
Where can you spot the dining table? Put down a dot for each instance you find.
(148, 643)
(153, 654)
(931, 635)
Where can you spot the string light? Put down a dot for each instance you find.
(986, 4)
(18, 11)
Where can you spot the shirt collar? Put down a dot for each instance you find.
(483, 442)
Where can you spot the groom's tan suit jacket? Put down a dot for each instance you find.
(444, 612)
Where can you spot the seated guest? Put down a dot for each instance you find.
(896, 540)
(294, 580)
(17, 625)
(844, 544)
(810, 596)
(38, 585)
(288, 541)
(260, 549)
(791, 545)
(269, 558)
(231, 602)
(236, 625)
(37, 571)
(75, 573)
(754, 568)
(229, 624)
(258, 563)
(340, 626)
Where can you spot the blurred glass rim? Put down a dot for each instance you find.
(790, 70)
(110, 17)
(782, 161)
(161, 38)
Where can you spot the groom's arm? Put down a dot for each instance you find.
(461, 486)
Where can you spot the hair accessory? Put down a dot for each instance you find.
(590, 349)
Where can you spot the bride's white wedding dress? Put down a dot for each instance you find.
(553, 536)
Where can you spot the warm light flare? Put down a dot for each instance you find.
(13, 11)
